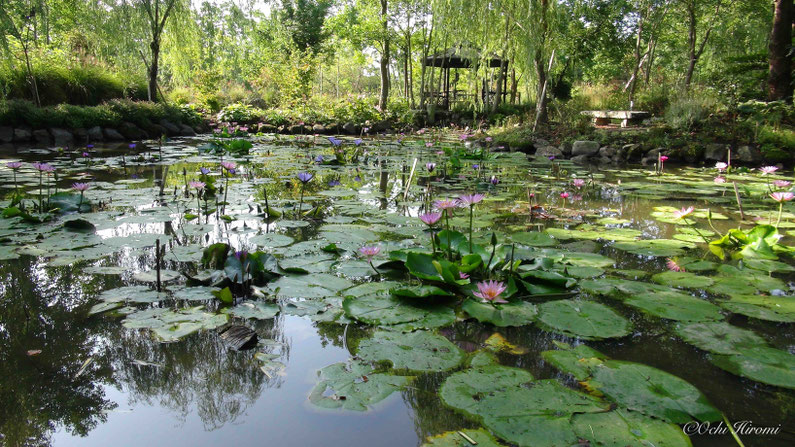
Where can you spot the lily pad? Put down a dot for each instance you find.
(654, 247)
(415, 351)
(515, 313)
(627, 428)
(422, 291)
(583, 319)
(770, 308)
(719, 337)
(534, 239)
(354, 386)
(675, 306)
(686, 280)
(762, 364)
(257, 310)
(390, 310)
(481, 437)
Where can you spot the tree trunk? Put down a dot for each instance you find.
(691, 42)
(541, 96)
(513, 86)
(779, 82)
(382, 101)
(153, 68)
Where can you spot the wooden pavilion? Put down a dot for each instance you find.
(446, 93)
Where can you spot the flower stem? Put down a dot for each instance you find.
(300, 203)
(471, 211)
(780, 209)
(447, 227)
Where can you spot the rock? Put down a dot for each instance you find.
(716, 152)
(584, 148)
(95, 134)
(41, 136)
(22, 134)
(349, 128)
(62, 137)
(267, 128)
(6, 134)
(170, 127)
(608, 152)
(186, 130)
(319, 128)
(604, 160)
(580, 159)
(747, 154)
(540, 142)
(380, 126)
(629, 152)
(112, 134)
(132, 132)
(549, 151)
(156, 131)
(651, 157)
(566, 148)
(296, 129)
(81, 135)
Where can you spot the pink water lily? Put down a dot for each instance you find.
(197, 185)
(43, 167)
(673, 265)
(578, 183)
(463, 275)
(228, 165)
(445, 204)
(781, 197)
(470, 199)
(719, 180)
(430, 219)
(490, 291)
(782, 184)
(370, 251)
(721, 166)
(564, 195)
(768, 169)
(684, 212)
(81, 187)
(663, 158)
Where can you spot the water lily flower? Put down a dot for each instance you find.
(564, 195)
(673, 265)
(488, 139)
(357, 141)
(490, 291)
(782, 196)
(684, 212)
(370, 251)
(430, 219)
(204, 170)
(445, 205)
(14, 165)
(429, 144)
(782, 184)
(241, 255)
(463, 137)
(721, 166)
(463, 275)
(551, 158)
(719, 180)
(305, 177)
(197, 185)
(334, 182)
(85, 154)
(132, 146)
(768, 169)
(319, 159)
(229, 166)
(663, 158)
(578, 183)
(81, 187)
(335, 141)
(470, 199)
(89, 146)
(494, 180)
(43, 167)
(357, 179)
(430, 166)
(475, 166)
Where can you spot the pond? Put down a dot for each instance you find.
(321, 310)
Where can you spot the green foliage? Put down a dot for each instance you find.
(688, 111)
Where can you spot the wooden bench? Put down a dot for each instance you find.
(627, 117)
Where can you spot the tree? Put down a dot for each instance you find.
(157, 13)
(18, 20)
(779, 81)
(384, 65)
(694, 54)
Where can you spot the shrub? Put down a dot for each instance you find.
(687, 112)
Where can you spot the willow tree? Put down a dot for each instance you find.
(17, 19)
(779, 82)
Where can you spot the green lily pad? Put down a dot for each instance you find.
(390, 310)
(719, 337)
(257, 310)
(627, 428)
(652, 391)
(515, 313)
(654, 247)
(770, 308)
(686, 280)
(422, 291)
(762, 364)
(415, 351)
(576, 361)
(583, 319)
(271, 240)
(455, 439)
(354, 386)
(675, 306)
(534, 239)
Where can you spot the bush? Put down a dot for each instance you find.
(687, 112)
(237, 112)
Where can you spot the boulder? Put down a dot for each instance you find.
(549, 151)
(6, 134)
(132, 132)
(747, 154)
(565, 147)
(629, 152)
(156, 131)
(170, 127)
(62, 137)
(22, 134)
(81, 135)
(584, 148)
(349, 128)
(41, 136)
(296, 129)
(580, 159)
(319, 128)
(716, 152)
(112, 134)
(267, 128)
(186, 130)
(540, 142)
(95, 134)
(608, 152)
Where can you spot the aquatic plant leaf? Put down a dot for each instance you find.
(67, 202)
(132, 294)
(515, 313)
(214, 256)
(770, 308)
(422, 291)
(454, 439)
(762, 364)
(534, 239)
(654, 247)
(652, 391)
(627, 428)
(390, 310)
(353, 386)
(675, 306)
(577, 361)
(686, 280)
(271, 240)
(257, 310)
(583, 319)
(104, 307)
(414, 351)
(718, 337)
